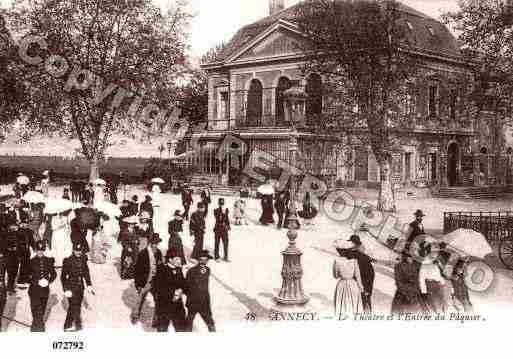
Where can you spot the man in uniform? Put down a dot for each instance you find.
(221, 229)
(25, 241)
(3, 289)
(415, 228)
(75, 272)
(42, 274)
(197, 291)
(197, 229)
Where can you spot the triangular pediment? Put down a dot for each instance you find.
(276, 42)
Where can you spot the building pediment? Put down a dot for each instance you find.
(280, 40)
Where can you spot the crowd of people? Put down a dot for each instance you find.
(35, 245)
(426, 282)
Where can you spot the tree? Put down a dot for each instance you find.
(12, 90)
(362, 49)
(194, 97)
(96, 68)
(485, 31)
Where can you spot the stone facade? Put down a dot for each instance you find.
(440, 146)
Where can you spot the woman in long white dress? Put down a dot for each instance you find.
(348, 292)
(61, 239)
(156, 202)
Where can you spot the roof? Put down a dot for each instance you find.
(442, 43)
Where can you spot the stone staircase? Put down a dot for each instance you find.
(490, 192)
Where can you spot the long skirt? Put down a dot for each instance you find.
(61, 246)
(175, 243)
(98, 255)
(128, 259)
(437, 297)
(348, 299)
(408, 303)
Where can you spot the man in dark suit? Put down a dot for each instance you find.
(11, 256)
(170, 285)
(18, 213)
(42, 274)
(147, 207)
(366, 271)
(75, 272)
(221, 229)
(415, 228)
(280, 205)
(186, 201)
(3, 271)
(25, 241)
(197, 229)
(197, 291)
(146, 266)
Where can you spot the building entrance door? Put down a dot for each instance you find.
(452, 164)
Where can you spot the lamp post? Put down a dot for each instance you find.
(171, 148)
(291, 292)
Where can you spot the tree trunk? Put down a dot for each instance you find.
(386, 198)
(94, 170)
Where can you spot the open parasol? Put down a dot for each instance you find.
(158, 180)
(468, 242)
(266, 189)
(34, 197)
(57, 205)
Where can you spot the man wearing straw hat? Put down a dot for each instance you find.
(415, 228)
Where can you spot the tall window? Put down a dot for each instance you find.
(254, 107)
(314, 91)
(433, 93)
(283, 85)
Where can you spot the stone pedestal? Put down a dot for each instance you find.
(291, 292)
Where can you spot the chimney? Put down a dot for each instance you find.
(276, 6)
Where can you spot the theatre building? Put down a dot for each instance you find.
(445, 145)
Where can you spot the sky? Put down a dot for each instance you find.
(216, 21)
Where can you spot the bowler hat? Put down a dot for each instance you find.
(148, 197)
(220, 201)
(355, 239)
(204, 254)
(135, 198)
(40, 246)
(419, 213)
(178, 213)
(155, 239)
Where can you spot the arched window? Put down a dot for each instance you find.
(314, 91)
(254, 109)
(283, 85)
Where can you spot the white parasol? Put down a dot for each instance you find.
(57, 205)
(100, 182)
(34, 197)
(23, 180)
(468, 242)
(375, 248)
(110, 209)
(158, 180)
(266, 189)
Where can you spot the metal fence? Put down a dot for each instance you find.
(495, 226)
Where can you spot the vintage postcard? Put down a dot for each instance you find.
(253, 166)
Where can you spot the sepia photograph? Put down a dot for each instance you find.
(254, 166)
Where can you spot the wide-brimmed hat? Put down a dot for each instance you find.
(355, 239)
(178, 213)
(204, 254)
(419, 213)
(342, 244)
(46, 173)
(131, 220)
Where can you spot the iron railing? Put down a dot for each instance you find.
(495, 226)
